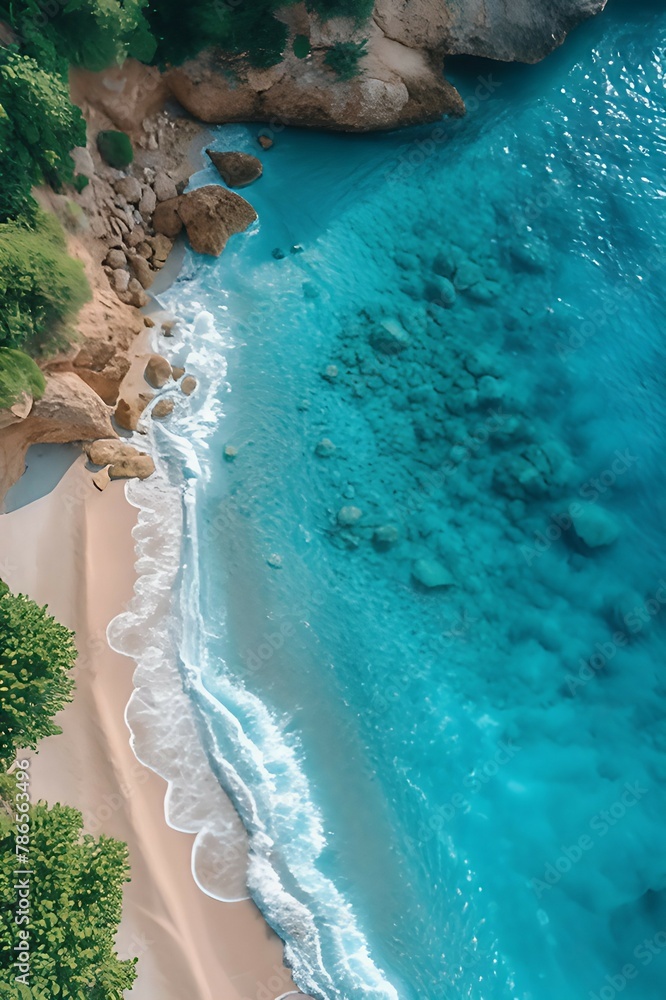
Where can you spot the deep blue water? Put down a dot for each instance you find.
(453, 791)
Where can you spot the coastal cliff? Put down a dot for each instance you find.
(399, 78)
(401, 75)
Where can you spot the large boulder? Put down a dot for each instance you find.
(119, 459)
(398, 84)
(166, 220)
(106, 451)
(211, 215)
(157, 371)
(129, 188)
(237, 170)
(128, 411)
(523, 31)
(68, 411)
(135, 466)
(102, 367)
(141, 270)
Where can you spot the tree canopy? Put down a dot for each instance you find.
(75, 907)
(36, 653)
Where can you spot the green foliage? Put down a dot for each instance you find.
(93, 34)
(38, 127)
(41, 288)
(358, 9)
(249, 28)
(301, 46)
(18, 374)
(36, 653)
(343, 58)
(75, 902)
(115, 148)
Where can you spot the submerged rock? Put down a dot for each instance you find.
(236, 169)
(389, 337)
(594, 525)
(349, 516)
(385, 537)
(431, 573)
(325, 448)
(440, 291)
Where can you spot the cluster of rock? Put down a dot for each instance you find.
(159, 374)
(138, 213)
(117, 460)
(158, 214)
(459, 430)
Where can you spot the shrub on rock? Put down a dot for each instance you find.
(18, 375)
(115, 148)
(344, 58)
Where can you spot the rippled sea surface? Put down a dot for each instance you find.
(426, 595)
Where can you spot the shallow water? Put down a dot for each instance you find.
(453, 791)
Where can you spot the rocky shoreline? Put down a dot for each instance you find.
(123, 225)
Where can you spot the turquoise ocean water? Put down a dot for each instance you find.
(453, 372)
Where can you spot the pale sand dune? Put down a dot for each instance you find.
(73, 551)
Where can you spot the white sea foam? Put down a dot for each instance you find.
(194, 739)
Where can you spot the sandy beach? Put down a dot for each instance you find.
(73, 550)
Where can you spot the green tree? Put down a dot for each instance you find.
(36, 653)
(359, 10)
(39, 126)
(75, 899)
(36, 312)
(93, 34)
(249, 29)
